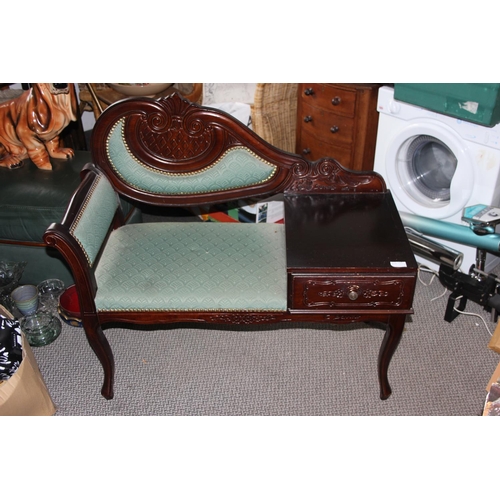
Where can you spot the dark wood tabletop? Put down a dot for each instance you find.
(361, 231)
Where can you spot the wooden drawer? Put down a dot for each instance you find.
(313, 148)
(336, 292)
(327, 127)
(338, 100)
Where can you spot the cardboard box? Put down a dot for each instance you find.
(495, 378)
(25, 393)
(494, 343)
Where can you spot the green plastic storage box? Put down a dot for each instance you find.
(473, 102)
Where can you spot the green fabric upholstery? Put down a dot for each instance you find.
(193, 266)
(238, 167)
(92, 225)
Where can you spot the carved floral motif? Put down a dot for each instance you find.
(174, 131)
(247, 318)
(334, 294)
(327, 175)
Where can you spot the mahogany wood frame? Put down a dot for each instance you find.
(202, 135)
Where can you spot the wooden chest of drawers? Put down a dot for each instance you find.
(338, 120)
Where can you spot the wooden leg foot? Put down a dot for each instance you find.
(102, 349)
(392, 337)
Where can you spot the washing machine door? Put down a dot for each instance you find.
(429, 169)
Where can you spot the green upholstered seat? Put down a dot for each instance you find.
(181, 266)
(193, 266)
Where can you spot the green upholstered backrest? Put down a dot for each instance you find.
(92, 224)
(171, 152)
(237, 168)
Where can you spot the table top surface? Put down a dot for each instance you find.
(346, 231)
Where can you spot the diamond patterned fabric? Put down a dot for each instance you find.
(92, 226)
(193, 266)
(237, 168)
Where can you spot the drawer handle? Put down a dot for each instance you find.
(308, 119)
(353, 295)
(309, 91)
(334, 129)
(336, 101)
(306, 151)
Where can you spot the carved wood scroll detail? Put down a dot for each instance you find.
(174, 142)
(174, 135)
(247, 318)
(327, 175)
(344, 293)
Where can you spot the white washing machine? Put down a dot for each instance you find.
(436, 165)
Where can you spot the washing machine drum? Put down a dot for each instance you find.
(429, 168)
(430, 173)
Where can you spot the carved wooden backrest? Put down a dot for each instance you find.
(170, 151)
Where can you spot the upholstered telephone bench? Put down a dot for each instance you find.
(30, 199)
(342, 255)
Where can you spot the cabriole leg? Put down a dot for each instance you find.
(102, 349)
(392, 337)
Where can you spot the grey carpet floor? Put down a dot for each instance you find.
(439, 368)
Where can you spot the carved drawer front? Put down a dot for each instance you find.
(339, 101)
(348, 292)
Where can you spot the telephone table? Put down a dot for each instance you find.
(349, 260)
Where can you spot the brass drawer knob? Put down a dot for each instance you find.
(336, 101)
(353, 295)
